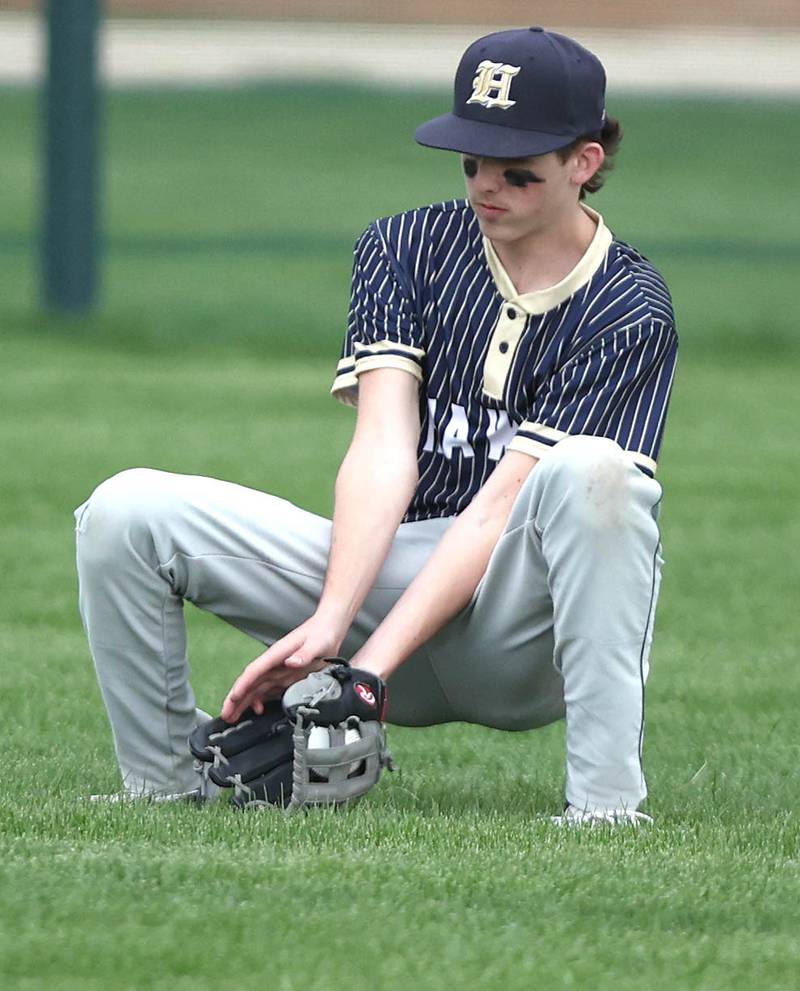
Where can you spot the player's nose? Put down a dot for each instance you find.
(489, 176)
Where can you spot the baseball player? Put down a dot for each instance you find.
(494, 551)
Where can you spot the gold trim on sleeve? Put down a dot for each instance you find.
(345, 385)
(539, 448)
(388, 361)
(345, 388)
(345, 362)
(527, 446)
(643, 460)
(549, 433)
(377, 347)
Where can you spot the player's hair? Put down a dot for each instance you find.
(610, 138)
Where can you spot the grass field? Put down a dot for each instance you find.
(229, 222)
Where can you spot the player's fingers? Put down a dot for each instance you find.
(242, 688)
(300, 659)
(232, 708)
(286, 661)
(246, 694)
(290, 646)
(311, 652)
(242, 696)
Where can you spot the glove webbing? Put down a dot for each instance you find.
(336, 760)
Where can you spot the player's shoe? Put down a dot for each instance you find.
(205, 791)
(125, 797)
(573, 816)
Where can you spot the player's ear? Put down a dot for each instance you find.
(585, 161)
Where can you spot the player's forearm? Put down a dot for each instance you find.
(373, 489)
(439, 592)
(449, 579)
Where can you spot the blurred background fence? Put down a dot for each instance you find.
(582, 13)
(720, 46)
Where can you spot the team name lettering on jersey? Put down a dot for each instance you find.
(500, 433)
(492, 83)
(456, 432)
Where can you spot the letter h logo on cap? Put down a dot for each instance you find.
(492, 84)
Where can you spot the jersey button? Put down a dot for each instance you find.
(511, 313)
(503, 347)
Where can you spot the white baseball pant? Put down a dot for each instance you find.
(560, 624)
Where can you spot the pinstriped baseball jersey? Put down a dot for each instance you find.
(594, 354)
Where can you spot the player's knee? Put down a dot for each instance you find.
(595, 479)
(121, 511)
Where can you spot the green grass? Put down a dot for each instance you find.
(229, 222)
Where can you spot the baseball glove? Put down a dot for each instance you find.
(336, 694)
(315, 749)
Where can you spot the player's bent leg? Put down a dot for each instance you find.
(145, 541)
(415, 695)
(494, 660)
(561, 622)
(594, 514)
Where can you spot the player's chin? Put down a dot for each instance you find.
(499, 231)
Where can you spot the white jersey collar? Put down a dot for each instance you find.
(535, 303)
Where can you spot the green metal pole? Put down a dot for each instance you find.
(71, 107)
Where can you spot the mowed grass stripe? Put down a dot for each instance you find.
(754, 251)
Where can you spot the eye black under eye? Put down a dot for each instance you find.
(520, 177)
(470, 168)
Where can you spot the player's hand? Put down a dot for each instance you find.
(288, 660)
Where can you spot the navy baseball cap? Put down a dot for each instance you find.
(520, 93)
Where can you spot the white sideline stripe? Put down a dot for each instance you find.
(184, 53)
